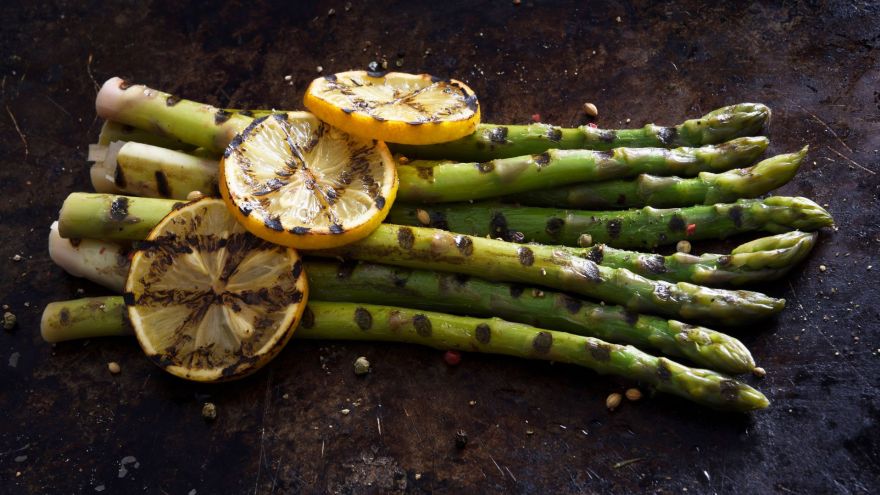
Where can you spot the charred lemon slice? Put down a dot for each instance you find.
(207, 300)
(395, 107)
(296, 181)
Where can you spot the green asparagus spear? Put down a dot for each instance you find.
(646, 227)
(168, 116)
(114, 131)
(780, 254)
(95, 216)
(85, 318)
(437, 182)
(106, 216)
(555, 268)
(212, 128)
(145, 170)
(669, 192)
(434, 249)
(370, 283)
(152, 171)
(491, 141)
(346, 321)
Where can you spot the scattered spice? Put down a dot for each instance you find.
(209, 411)
(691, 229)
(759, 372)
(114, 367)
(633, 394)
(9, 321)
(402, 160)
(593, 125)
(537, 293)
(613, 401)
(452, 358)
(16, 257)
(288, 77)
(536, 117)
(683, 247)
(585, 240)
(472, 403)
(461, 439)
(530, 431)
(331, 12)
(361, 366)
(822, 268)
(423, 217)
(194, 195)
(345, 412)
(591, 110)
(319, 68)
(517, 2)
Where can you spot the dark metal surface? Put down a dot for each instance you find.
(69, 426)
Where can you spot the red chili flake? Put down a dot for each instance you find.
(536, 117)
(102, 251)
(691, 229)
(452, 358)
(594, 126)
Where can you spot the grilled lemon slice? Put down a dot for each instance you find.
(395, 107)
(296, 181)
(207, 300)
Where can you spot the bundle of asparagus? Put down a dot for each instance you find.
(478, 262)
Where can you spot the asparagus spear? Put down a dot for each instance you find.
(436, 182)
(103, 262)
(646, 227)
(106, 216)
(345, 321)
(780, 254)
(668, 192)
(212, 128)
(92, 216)
(95, 216)
(552, 267)
(145, 170)
(153, 171)
(114, 131)
(434, 291)
(492, 141)
(168, 116)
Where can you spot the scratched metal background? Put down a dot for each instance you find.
(68, 426)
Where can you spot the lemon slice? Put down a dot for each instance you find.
(395, 107)
(296, 181)
(207, 300)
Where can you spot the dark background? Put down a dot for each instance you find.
(68, 426)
